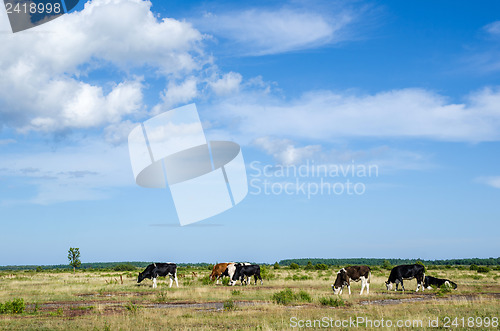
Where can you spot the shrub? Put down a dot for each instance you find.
(473, 267)
(443, 290)
(304, 296)
(309, 266)
(287, 296)
(266, 273)
(294, 266)
(206, 280)
(332, 301)
(386, 265)
(321, 266)
(124, 267)
(276, 265)
(483, 269)
(131, 307)
(296, 277)
(235, 292)
(229, 305)
(39, 269)
(161, 296)
(225, 281)
(15, 306)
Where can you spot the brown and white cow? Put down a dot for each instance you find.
(220, 270)
(353, 273)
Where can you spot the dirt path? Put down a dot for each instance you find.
(78, 305)
(469, 297)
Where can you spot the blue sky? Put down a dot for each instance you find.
(409, 87)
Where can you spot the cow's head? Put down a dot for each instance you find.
(141, 277)
(341, 280)
(147, 273)
(388, 284)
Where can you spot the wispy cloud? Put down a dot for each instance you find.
(286, 152)
(328, 115)
(493, 28)
(493, 181)
(88, 171)
(263, 31)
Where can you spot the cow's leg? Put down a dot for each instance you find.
(402, 285)
(171, 281)
(367, 287)
(363, 282)
(341, 288)
(349, 288)
(261, 283)
(175, 278)
(154, 282)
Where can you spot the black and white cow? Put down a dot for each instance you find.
(354, 273)
(245, 272)
(430, 281)
(155, 270)
(407, 271)
(231, 270)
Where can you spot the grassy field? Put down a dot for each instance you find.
(98, 300)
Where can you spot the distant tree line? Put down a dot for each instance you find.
(300, 262)
(374, 262)
(93, 265)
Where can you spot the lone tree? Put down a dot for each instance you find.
(74, 258)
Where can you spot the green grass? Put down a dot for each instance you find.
(87, 301)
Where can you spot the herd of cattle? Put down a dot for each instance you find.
(244, 272)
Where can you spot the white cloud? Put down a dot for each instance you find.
(78, 105)
(405, 113)
(264, 31)
(176, 94)
(493, 181)
(41, 86)
(493, 28)
(228, 83)
(284, 150)
(387, 159)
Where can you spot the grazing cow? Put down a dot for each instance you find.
(231, 269)
(429, 281)
(408, 271)
(155, 270)
(219, 270)
(245, 272)
(353, 273)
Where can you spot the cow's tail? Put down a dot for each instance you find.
(369, 276)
